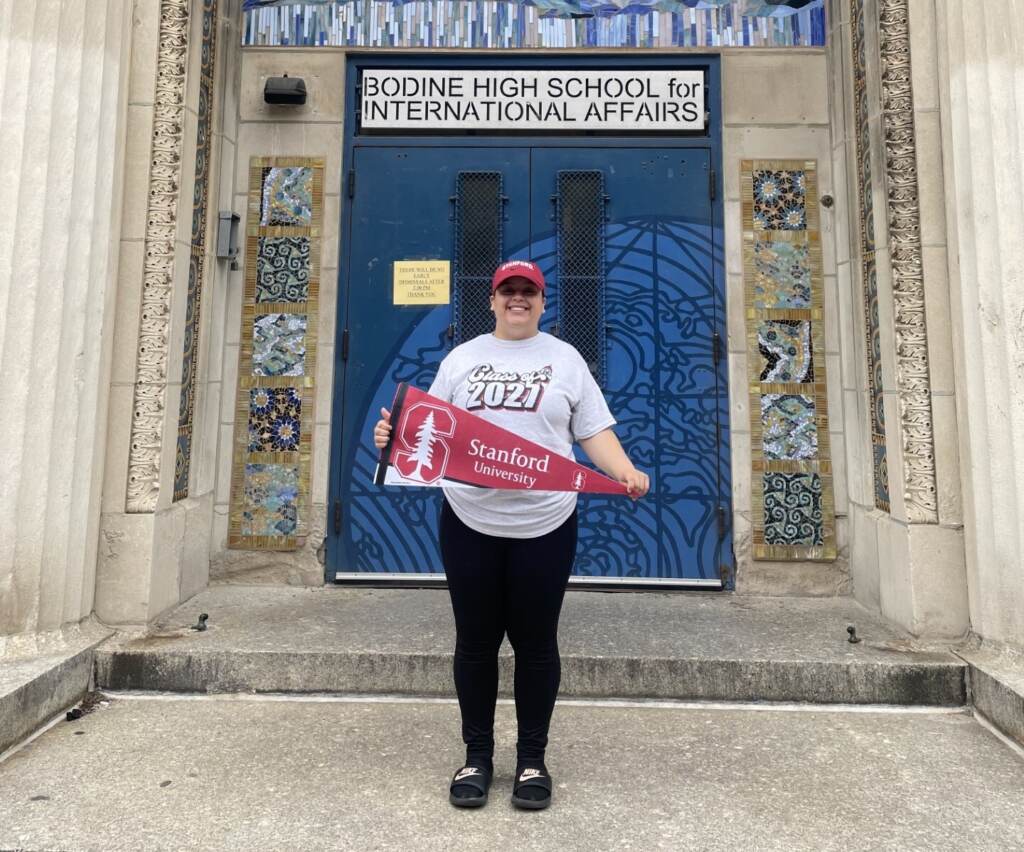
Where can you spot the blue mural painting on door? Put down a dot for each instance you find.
(663, 305)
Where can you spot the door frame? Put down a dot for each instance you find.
(711, 139)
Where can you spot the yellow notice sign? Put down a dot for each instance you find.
(421, 282)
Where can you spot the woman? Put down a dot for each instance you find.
(508, 554)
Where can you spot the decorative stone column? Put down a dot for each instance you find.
(981, 64)
(907, 556)
(65, 64)
(157, 505)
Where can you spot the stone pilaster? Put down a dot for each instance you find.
(907, 556)
(62, 104)
(154, 552)
(981, 92)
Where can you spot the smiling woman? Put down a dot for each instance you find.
(508, 554)
(517, 305)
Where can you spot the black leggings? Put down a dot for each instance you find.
(513, 585)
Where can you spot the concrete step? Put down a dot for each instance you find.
(217, 773)
(43, 675)
(685, 646)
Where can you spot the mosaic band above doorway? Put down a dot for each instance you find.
(538, 23)
(792, 502)
(277, 354)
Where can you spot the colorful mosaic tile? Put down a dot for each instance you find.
(881, 473)
(785, 346)
(783, 273)
(779, 200)
(270, 500)
(287, 196)
(792, 509)
(861, 110)
(535, 23)
(275, 415)
(865, 194)
(279, 345)
(273, 412)
(182, 454)
(788, 427)
(200, 197)
(282, 269)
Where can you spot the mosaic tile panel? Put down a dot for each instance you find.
(287, 196)
(279, 345)
(535, 23)
(868, 267)
(275, 420)
(874, 350)
(780, 200)
(793, 508)
(880, 468)
(271, 500)
(282, 269)
(277, 357)
(788, 427)
(786, 354)
(200, 199)
(783, 274)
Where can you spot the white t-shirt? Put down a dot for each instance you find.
(539, 388)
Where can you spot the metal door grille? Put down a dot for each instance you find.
(478, 251)
(581, 266)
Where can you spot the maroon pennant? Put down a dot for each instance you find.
(433, 443)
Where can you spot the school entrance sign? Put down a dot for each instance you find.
(434, 443)
(525, 99)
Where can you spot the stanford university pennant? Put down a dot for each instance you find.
(433, 443)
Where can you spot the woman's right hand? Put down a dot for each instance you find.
(382, 431)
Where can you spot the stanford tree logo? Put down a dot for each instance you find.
(424, 453)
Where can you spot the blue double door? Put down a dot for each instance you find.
(627, 241)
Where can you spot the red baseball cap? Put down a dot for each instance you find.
(518, 269)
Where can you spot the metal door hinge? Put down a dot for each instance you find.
(451, 331)
(712, 181)
(721, 522)
(351, 183)
(337, 517)
(344, 345)
(716, 348)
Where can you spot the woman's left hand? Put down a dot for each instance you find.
(637, 483)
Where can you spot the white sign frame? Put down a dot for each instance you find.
(524, 99)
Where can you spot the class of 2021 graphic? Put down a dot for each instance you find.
(506, 390)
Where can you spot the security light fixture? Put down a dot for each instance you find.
(290, 91)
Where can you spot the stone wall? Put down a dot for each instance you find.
(776, 106)
(314, 130)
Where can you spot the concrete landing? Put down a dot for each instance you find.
(663, 645)
(300, 774)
